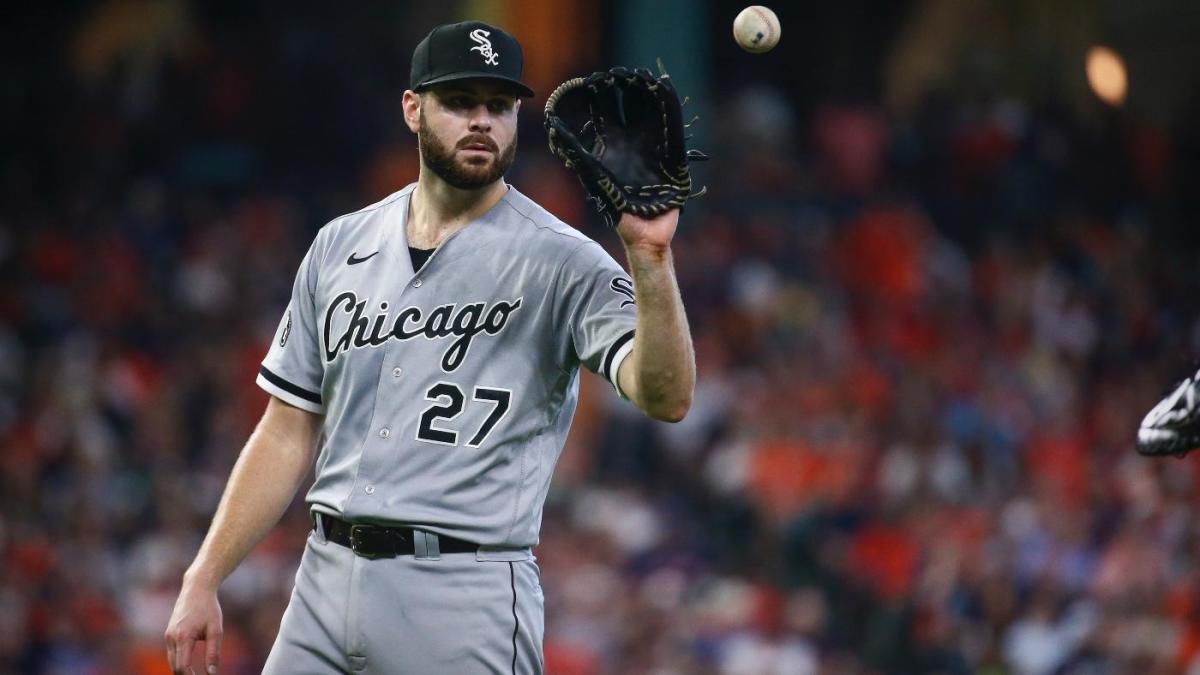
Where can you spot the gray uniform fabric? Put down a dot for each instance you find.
(464, 613)
(447, 396)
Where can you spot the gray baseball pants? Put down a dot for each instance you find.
(459, 613)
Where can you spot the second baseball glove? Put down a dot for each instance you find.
(622, 132)
(1173, 426)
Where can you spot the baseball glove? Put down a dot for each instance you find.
(622, 133)
(1173, 426)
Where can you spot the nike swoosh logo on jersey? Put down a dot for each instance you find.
(354, 261)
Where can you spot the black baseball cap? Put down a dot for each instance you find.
(467, 50)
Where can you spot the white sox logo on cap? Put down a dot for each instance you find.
(484, 46)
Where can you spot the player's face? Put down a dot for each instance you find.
(467, 132)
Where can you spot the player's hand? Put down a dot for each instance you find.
(197, 618)
(650, 233)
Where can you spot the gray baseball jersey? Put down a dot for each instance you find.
(447, 392)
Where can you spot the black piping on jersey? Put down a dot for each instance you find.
(288, 386)
(512, 580)
(612, 353)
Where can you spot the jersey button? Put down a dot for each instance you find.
(397, 372)
(385, 432)
(370, 489)
(417, 283)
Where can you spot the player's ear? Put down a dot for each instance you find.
(412, 109)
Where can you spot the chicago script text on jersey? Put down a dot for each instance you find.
(463, 323)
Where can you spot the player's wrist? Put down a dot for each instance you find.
(201, 577)
(648, 251)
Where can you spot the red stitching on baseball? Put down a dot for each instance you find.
(767, 20)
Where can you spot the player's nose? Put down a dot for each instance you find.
(481, 119)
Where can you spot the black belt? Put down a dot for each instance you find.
(377, 541)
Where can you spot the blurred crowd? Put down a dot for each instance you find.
(924, 344)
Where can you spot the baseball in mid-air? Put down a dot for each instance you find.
(756, 29)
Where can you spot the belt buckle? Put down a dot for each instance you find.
(363, 537)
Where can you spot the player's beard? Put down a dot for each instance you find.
(442, 160)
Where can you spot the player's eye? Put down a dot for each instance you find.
(500, 105)
(458, 102)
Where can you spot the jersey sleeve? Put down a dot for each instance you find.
(599, 310)
(292, 370)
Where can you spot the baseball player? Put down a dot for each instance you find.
(428, 365)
